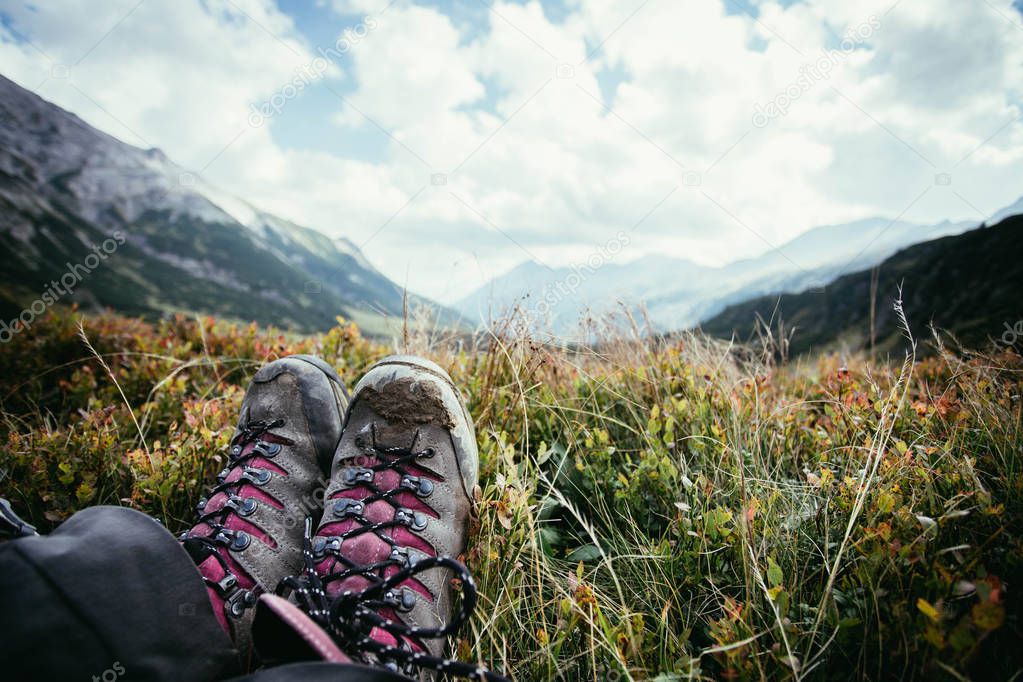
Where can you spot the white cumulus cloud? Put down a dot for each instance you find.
(526, 137)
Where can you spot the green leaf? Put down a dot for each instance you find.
(543, 454)
(84, 493)
(774, 574)
(549, 539)
(885, 502)
(584, 553)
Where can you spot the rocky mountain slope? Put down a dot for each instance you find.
(66, 187)
(967, 284)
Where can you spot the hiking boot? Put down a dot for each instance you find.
(248, 535)
(380, 567)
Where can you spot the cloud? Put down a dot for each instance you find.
(169, 73)
(539, 134)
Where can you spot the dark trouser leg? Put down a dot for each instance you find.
(109, 595)
(112, 596)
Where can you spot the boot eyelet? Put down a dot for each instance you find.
(420, 486)
(416, 521)
(401, 557)
(227, 583)
(241, 541)
(402, 600)
(348, 507)
(408, 600)
(354, 475)
(239, 601)
(243, 506)
(267, 449)
(257, 476)
(428, 453)
(236, 450)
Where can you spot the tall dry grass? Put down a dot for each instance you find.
(650, 507)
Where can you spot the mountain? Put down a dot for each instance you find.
(1008, 211)
(179, 244)
(968, 284)
(678, 293)
(567, 292)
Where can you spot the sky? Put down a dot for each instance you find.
(453, 139)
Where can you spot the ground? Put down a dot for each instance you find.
(649, 508)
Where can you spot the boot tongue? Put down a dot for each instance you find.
(402, 436)
(376, 439)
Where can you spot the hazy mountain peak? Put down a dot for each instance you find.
(679, 293)
(1011, 210)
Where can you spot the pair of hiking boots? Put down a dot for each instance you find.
(340, 517)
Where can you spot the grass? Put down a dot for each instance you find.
(650, 508)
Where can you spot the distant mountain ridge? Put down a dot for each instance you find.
(65, 186)
(678, 293)
(967, 284)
